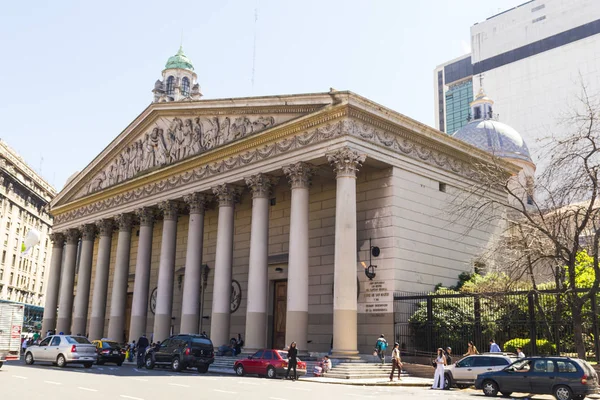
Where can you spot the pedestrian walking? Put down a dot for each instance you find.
(520, 353)
(142, 343)
(396, 361)
(438, 377)
(292, 361)
(380, 348)
(494, 348)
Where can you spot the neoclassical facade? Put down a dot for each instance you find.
(257, 216)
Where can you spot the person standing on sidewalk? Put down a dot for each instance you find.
(292, 361)
(396, 361)
(438, 377)
(380, 347)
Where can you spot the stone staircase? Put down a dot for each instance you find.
(360, 369)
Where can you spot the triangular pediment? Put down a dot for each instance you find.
(166, 134)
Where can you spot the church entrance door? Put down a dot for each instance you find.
(279, 313)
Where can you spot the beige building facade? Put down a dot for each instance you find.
(256, 216)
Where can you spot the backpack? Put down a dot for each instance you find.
(381, 345)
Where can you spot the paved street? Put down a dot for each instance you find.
(44, 382)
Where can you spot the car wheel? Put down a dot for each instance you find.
(149, 362)
(119, 363)
(1, 364)
(271, 373)
(88, 365)
(239, 370)
(490, 388)
(506, 394)
(203, 369)
(61, 361)
(28, 359)
(176, 364)
(563, 393)
(447, 381)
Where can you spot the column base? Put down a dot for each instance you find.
(189, 323)
(296, 330)
(219, 329)
(256, 330)
(344, 355)
(162, 327)
(116, 328)
(48, 324)
(137, 327)
(96, 328)
(63, 325)
(79, 325)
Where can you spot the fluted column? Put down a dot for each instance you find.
(190, 307)
(118, 302)
(53, 285)
(345, 163)
(296, 326)
(166, 271)
(97, 319)
(227, 196)
(141, 285)
(67, 281)
(256, 313)
(82, 298)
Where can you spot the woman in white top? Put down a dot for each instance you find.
(438, 378)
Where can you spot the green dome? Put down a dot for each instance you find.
(179, 60)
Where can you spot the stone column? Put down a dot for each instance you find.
(118, 302)
(141, 285)
(53, 285)
(190, 307)
(227, 196)
(166, 271)
(345, 163)
(97, 319)
(67, 281)
(82, 298)
(256, 314)
(296, 326)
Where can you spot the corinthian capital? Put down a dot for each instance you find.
(196, 202)
(227, 195)
(58, 239)
(105, 227)
(169, 209)
(146, 216)
(346, 162)
(261, 184)
(299, 174)
(88, 231)
(73, 236)
(124, 221)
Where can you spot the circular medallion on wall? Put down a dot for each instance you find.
(236, 296)
(153, 300)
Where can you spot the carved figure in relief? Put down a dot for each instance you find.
(198, 136)
(224, 133)
(240, 127)
(149, 150)
(161, 148)
(263, 123)
(188, 138)
(210, 136)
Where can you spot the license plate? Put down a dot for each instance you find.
(115, 352)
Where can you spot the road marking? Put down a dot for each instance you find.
(53, 383)
(130, 397)
(297, 388)
(178, 384)
(276, 398)
(100, 369)
(248, 383)
(224, 391)
(112, 369)
(87, 389)
(19, 377)
(139, 379)
(359, 395)
(139, 370)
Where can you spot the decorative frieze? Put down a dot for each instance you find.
(346, 162)
(145, 215)
(124, 221)
(299, 174)
(105, 227)
(73, 236)
(169, 209)
(261, 184)
(196, 202)
(58, 239)
(227, 195)
(88, 232)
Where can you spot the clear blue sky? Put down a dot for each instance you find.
(75, 73)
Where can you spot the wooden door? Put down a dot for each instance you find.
(279, 313)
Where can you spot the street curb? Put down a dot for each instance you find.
(391, 384)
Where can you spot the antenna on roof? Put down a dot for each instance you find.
(254, 46)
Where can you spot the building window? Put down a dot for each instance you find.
(1, 274)
(185, 86)
(538, 8)
(16, 243)
(12, 276)
(442, 187)
(543, 17)
(14, 260)
(170, 85)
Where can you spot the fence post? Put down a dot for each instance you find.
(429, 323)
(479, 342)
(595, 327)
(557, 322)
(532, 326)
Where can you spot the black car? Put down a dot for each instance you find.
(109, 352)
(183, 351)
(565, 378)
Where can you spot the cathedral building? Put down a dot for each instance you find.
(281, 218)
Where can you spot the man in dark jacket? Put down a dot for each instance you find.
(142, 343)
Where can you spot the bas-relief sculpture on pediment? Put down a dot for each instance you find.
(175, 139)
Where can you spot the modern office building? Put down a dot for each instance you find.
(453, 94)
(532, 60)
(24, 199)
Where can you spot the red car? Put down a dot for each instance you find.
(268, 362)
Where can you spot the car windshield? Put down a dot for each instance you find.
(283, 355)
(519, 365)
(108, 345)
(77, 340)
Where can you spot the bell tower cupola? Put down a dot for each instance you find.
(179, 81)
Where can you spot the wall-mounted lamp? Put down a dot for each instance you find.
(278, 269)
(370, 269)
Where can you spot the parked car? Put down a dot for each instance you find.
(182, 351)
(267, 362)
(109, 351)
(463, 373)
(565, 378)
(62, 350)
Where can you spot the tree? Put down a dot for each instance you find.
(549, 230)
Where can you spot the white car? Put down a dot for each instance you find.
(463, 373)
(62, 350)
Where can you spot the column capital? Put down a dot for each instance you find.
(145, 215)
(73, 236)
(261, 184)
(58, 239)
(226, 194)
(169, 209)
(105, 227)
(196, 202)
(88, 231)
(299, 174)
(346, 161)
(125, 221)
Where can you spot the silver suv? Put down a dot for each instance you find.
(463, 373)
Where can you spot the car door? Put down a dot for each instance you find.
(463, 368)
(481, 365)
(267, 359)
(40, 353)
(162, 355)
(542, 376)
(53, 348)
(254, 362)
(518, 379)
